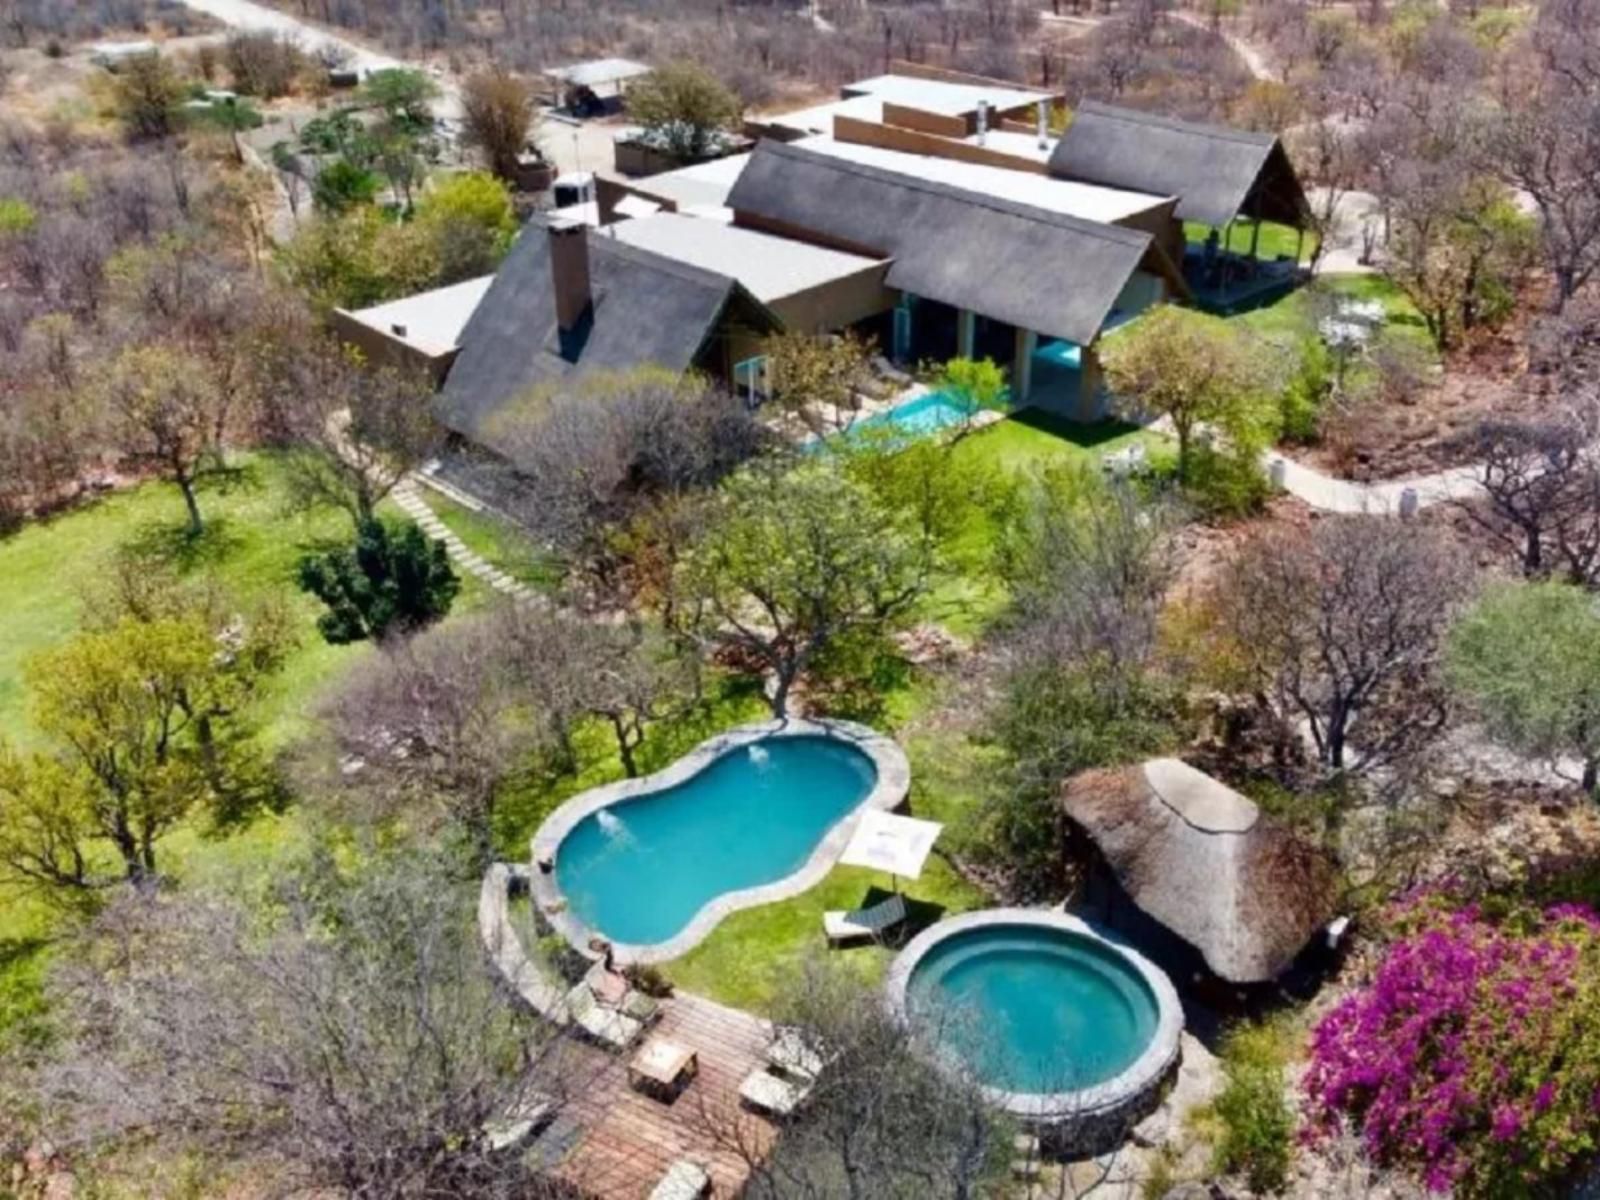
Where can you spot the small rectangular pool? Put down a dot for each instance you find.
(924, 414)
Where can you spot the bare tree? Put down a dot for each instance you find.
(881, 1120)
(1549, 148)
(168, 414)
(592, 460)
(358, 429)
(352, 1041)
(1336, 632)
(430, 730)
(1541, 492)
(497, 111)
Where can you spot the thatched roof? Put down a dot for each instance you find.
(1031, 267)
(648, 310)
(1203, 861)
(1215, 172)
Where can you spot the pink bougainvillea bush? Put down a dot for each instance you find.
(1473, 1056)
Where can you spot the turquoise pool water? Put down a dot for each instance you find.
(1033, 1009)
(640, 870)
(922, 415)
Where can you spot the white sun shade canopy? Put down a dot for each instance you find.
(888, 842)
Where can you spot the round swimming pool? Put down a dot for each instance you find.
(1049, 1016)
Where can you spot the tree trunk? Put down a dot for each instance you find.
(1591, 774)
(197, 525)
(784, 676)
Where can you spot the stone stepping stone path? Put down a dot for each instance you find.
(410, 501)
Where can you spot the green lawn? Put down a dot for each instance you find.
(1275, 239)
(968, 600)
(1293, 316)
(252, 543)
(498, 541)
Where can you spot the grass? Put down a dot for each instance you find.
(252, 542)
(497, 541)
(1275, 239)
(1293, 316)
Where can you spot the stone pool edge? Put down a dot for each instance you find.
(888, 793)
(1096, 1113)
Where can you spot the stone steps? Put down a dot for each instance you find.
(467, 560)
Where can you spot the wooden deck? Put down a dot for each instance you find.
(628, 1139)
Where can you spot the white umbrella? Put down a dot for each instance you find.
(888, 842)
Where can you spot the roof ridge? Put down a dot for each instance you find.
(1119, 234)
(1135, 116)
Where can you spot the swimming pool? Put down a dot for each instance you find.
(759, 813)
(917, 417)
(1049, 1016)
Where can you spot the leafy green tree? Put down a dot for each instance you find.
(395, 580)
(792, 561)
(684, 109)
(16, 215)
(359, 258)
(974, 383)
(147, 93)
(404, 94)
(1527, 658)
(341, 186)
(1196, 371)
(231, 117)
(146, 719)
(470, 220)
(817, 378)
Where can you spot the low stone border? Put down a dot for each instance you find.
(1092, 1119)
(888, 793)
(537, 989)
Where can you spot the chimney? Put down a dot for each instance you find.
(1044, 124)
(569, 271)
(983, 121)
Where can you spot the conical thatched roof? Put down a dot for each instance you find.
(1202, 860)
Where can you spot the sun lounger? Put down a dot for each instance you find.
(790, 1053)
(519, 1124)
(612, 990)
(865, 922)
(684, 1180)
(773, 1094)
(604, 1025)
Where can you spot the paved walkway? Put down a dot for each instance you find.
(411, 503)
(1330, 494)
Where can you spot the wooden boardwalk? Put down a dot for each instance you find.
(628, 1139)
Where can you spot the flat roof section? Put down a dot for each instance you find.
(769, 266)
(597, 72)
(704, 185)
(432, 320)
(940, 96)
(1087, 201)
(864, 101)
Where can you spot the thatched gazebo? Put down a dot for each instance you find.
(1204, 862)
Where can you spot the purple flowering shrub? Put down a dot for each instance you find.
(1473, 1056)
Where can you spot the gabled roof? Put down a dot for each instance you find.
(646, 310)
(1212, 169)
(1205, 862)
(1039, 270)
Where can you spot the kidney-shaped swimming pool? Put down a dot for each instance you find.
(731, 824)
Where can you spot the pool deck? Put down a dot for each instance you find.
(627, 1140)
(888, 793)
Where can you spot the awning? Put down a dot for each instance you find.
(888, 842)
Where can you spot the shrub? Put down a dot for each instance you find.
(1257, 1125)
(1474, 1054)
(394, 580)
